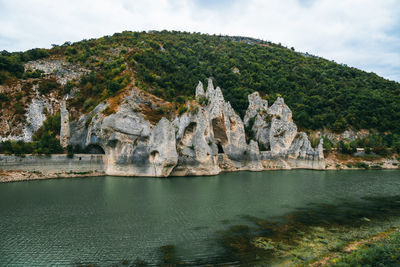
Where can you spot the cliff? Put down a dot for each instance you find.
(209, 137)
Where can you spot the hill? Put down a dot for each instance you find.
(321, 93)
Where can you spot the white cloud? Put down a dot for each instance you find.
(360, 33)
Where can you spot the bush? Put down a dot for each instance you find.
(203, 101)
(362, 165)
(328, 145)
(381, 151)
(182, 109)
(180, 99)
(68, 87)
(19, 108)
(345, 148)
(48, 85)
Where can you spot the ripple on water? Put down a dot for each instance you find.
(109, 219)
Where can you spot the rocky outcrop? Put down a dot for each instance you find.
(36, 108)
(346, 136)
(132, 145)
(64, 131)
(207, 139)
(35, 117)
(64, 71)
(211, 130)
(274, 128)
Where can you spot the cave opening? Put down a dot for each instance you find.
(154, 155)
(94, 149)
(220, 149)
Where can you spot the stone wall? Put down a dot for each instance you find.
(60, 163)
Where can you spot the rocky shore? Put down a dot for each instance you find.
(16, 176)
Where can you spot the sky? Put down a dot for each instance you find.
(359, 33)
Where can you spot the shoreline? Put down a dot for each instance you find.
(80, 169)
(19, 176)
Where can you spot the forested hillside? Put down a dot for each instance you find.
(321, 93)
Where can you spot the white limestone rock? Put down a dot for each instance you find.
(281, 135)
(163, 155)
(199, 90)
(274, 128)
(257, 113)
(195, 145)
(132, 146)
(65, 130)
(35, 117)
(64, 71)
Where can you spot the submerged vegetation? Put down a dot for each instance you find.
(364, 233)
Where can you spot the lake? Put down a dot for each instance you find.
(116, 220)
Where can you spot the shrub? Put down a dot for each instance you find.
(381, 151)
(362, 165)
(345, 148)
(182, 109)
(48, 85)
(314, 142)
(328, 145)
(19, 108)
(203, 101)
(68, 87)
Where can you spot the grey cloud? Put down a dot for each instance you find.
(357, 33)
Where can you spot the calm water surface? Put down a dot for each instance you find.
(105, 220)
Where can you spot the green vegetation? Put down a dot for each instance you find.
(45, 140)
(11, 64)
(385, 252)
(105, 82)
(321, 93)
(48, 85)
(378, 143)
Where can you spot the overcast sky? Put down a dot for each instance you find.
(360, 33)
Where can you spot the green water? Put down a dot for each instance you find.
(106, 220)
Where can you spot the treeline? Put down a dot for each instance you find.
(378, 143)
(11, 64)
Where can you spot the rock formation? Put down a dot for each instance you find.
(273, 127)
(205, 140)
(64, 131)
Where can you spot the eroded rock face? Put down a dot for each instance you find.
(274, 129)
(196, 149)
(35, 116)
(259, 120)
(63, 70)
(214, 129)
(207, 139)
(64, 131)
(132, 146)
(163, 155)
